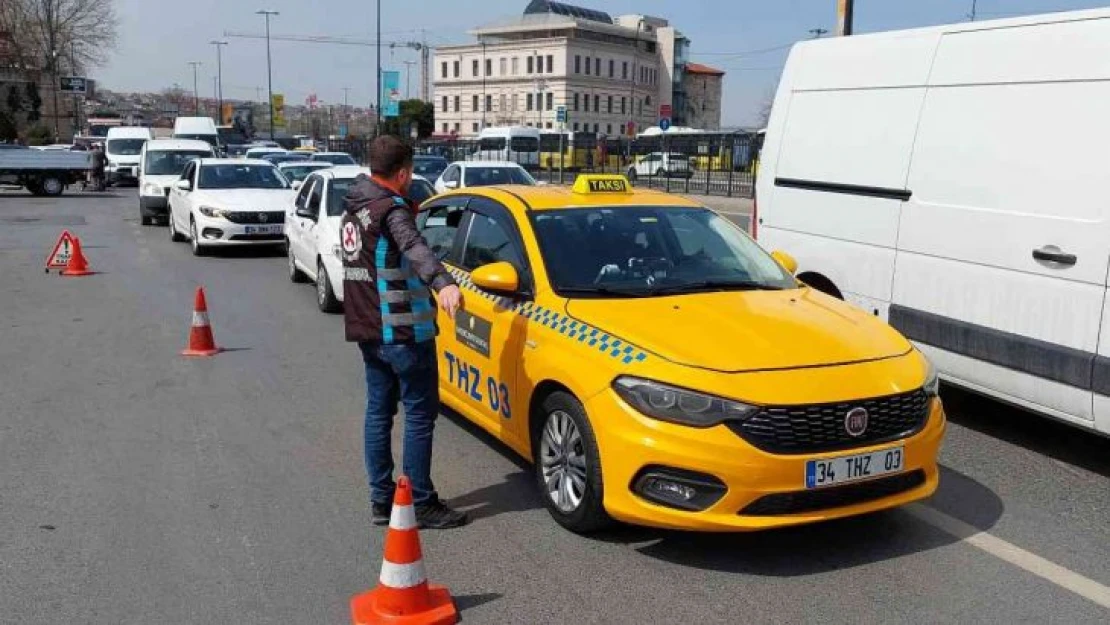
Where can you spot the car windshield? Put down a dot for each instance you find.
(211, 140)
(335, 159)
(651, 251)
(429, 167)
(299, 172)
(171, 162)
(125, 147)
(235, 176)
(485, 176)
(420, 190)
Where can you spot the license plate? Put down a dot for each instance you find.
(263, 229)
(829, 471)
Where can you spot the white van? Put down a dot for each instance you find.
(122, 147)
(516, 144)
(199, 128)
(952, 181)
(160, 165)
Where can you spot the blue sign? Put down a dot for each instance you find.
(391, 94)
(343, 131)
(664, 124)
(561, 114)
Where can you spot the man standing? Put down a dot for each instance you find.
(99, 162)
(387, 271)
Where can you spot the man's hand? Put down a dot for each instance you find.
(450, 299)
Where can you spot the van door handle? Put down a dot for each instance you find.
(1053, 254)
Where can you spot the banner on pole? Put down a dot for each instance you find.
(391, 94)
(279, 110)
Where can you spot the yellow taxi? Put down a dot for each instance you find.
(658, 367)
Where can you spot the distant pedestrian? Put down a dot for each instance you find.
(99, 164)
(387, 271)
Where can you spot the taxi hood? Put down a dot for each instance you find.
(740, 331)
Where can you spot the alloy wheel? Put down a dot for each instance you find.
(563, 457)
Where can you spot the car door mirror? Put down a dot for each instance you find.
(183, 185)
(786, 260)
(306, 213)
(499, 277)
(296, 186)
(451, 184)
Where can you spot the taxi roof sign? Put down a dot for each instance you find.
(587, 184)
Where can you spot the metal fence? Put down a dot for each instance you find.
(705, 164)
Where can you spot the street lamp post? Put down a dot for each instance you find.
(219, 77)
(196, 91)
(378, 109)
(269, 67)
(484, 74)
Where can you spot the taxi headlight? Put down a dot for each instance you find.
(932, 380)
(209, 211)
(678, 405)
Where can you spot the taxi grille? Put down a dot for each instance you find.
(256, 217)
(820, 427)
(833, 497)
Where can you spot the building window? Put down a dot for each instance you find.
(612, 65)
(608, 129)
(574, 101)
(550, 100)
(597, 66)
(585, 102)
(489, 103)
(609, 105)
(539, 64)
(456, 126)
(516, 68)
(503, 66)
(622, 129)
(489, 67)
(528, 102)
(587, 66)
(456, 68)
(474, 104)
(501, 106)
(575, 127)
(597, 103)
(444, 109)
(577, 64)
(647, 101)
(443, 69)
(458, 105)
(528, 65)
(445, 123)
(474, 67)
(547, 125)
(624, 70)
(475, 126)
(596, 129)
(550, 65)
(622, 104)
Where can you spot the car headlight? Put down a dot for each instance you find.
(152, 189)
(209, 211)
(678, 405)
(932, 380)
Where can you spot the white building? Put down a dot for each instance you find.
(607, 72)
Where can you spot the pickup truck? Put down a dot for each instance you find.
(43, 172)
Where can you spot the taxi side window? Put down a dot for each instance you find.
(439, 223)
(489, 240)
(452, 174)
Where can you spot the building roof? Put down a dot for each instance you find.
(559, 8)
(698, 68)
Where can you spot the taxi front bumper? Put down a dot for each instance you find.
(633, 447)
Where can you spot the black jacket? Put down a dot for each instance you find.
(387, 269)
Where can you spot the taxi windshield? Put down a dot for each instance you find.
(651, 251)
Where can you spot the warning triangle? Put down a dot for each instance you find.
(59, 258)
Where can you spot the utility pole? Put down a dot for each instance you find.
(817, 32)
(971, 16)
(844, 11)
(484, 74)
(269, 67)
(196, 91)
(408, 77)
(219, 77)
(378, 109)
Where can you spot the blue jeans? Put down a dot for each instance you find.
(409, 372)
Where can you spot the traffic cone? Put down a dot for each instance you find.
(77, 265)
(403, 595)
(201, 341)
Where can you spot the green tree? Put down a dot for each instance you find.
(411, 111)
(40, 135)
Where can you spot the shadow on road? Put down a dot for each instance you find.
(822, 547)
(465, 602)
(1042, 435)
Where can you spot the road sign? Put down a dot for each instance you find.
(664, 124)
(73, 84)
(391, 94)
(59, 258)
(561, 114)
(664, 111)
(342, 131)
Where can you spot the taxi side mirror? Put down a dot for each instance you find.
(296, 186)
(500, 277)
(451, 184)
(786, 260)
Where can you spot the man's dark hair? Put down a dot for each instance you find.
(389, 155)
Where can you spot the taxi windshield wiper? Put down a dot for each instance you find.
(604, 291)
(715, 285)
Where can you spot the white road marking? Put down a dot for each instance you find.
(1050, 571)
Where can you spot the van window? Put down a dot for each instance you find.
(171, 163)
(524, 144)
(492, 143)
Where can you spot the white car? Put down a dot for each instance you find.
(260, 151)
(661, 165)
(222, 201)
(296, 171)
(313, 230)
(482, 174)
(335, 158)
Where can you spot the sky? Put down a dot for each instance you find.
(748, 39)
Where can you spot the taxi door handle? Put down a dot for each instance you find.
(1053, 254)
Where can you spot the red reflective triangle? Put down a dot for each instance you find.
(59, 258)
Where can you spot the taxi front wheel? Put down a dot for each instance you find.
(568, 466)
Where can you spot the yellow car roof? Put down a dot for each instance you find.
(588, 191)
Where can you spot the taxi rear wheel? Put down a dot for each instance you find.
(568, 466)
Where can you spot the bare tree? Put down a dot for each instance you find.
(763, 117)
(49, 34)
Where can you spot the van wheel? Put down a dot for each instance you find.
(567, 464)
(820, 283)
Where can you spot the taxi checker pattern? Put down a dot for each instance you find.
(564, 325)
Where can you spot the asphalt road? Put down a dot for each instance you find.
(140, 487)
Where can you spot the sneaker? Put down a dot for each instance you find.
(436, 515)
(379, 513)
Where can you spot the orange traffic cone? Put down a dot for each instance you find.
(77, 265)
(201, 341)
(403, 595)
